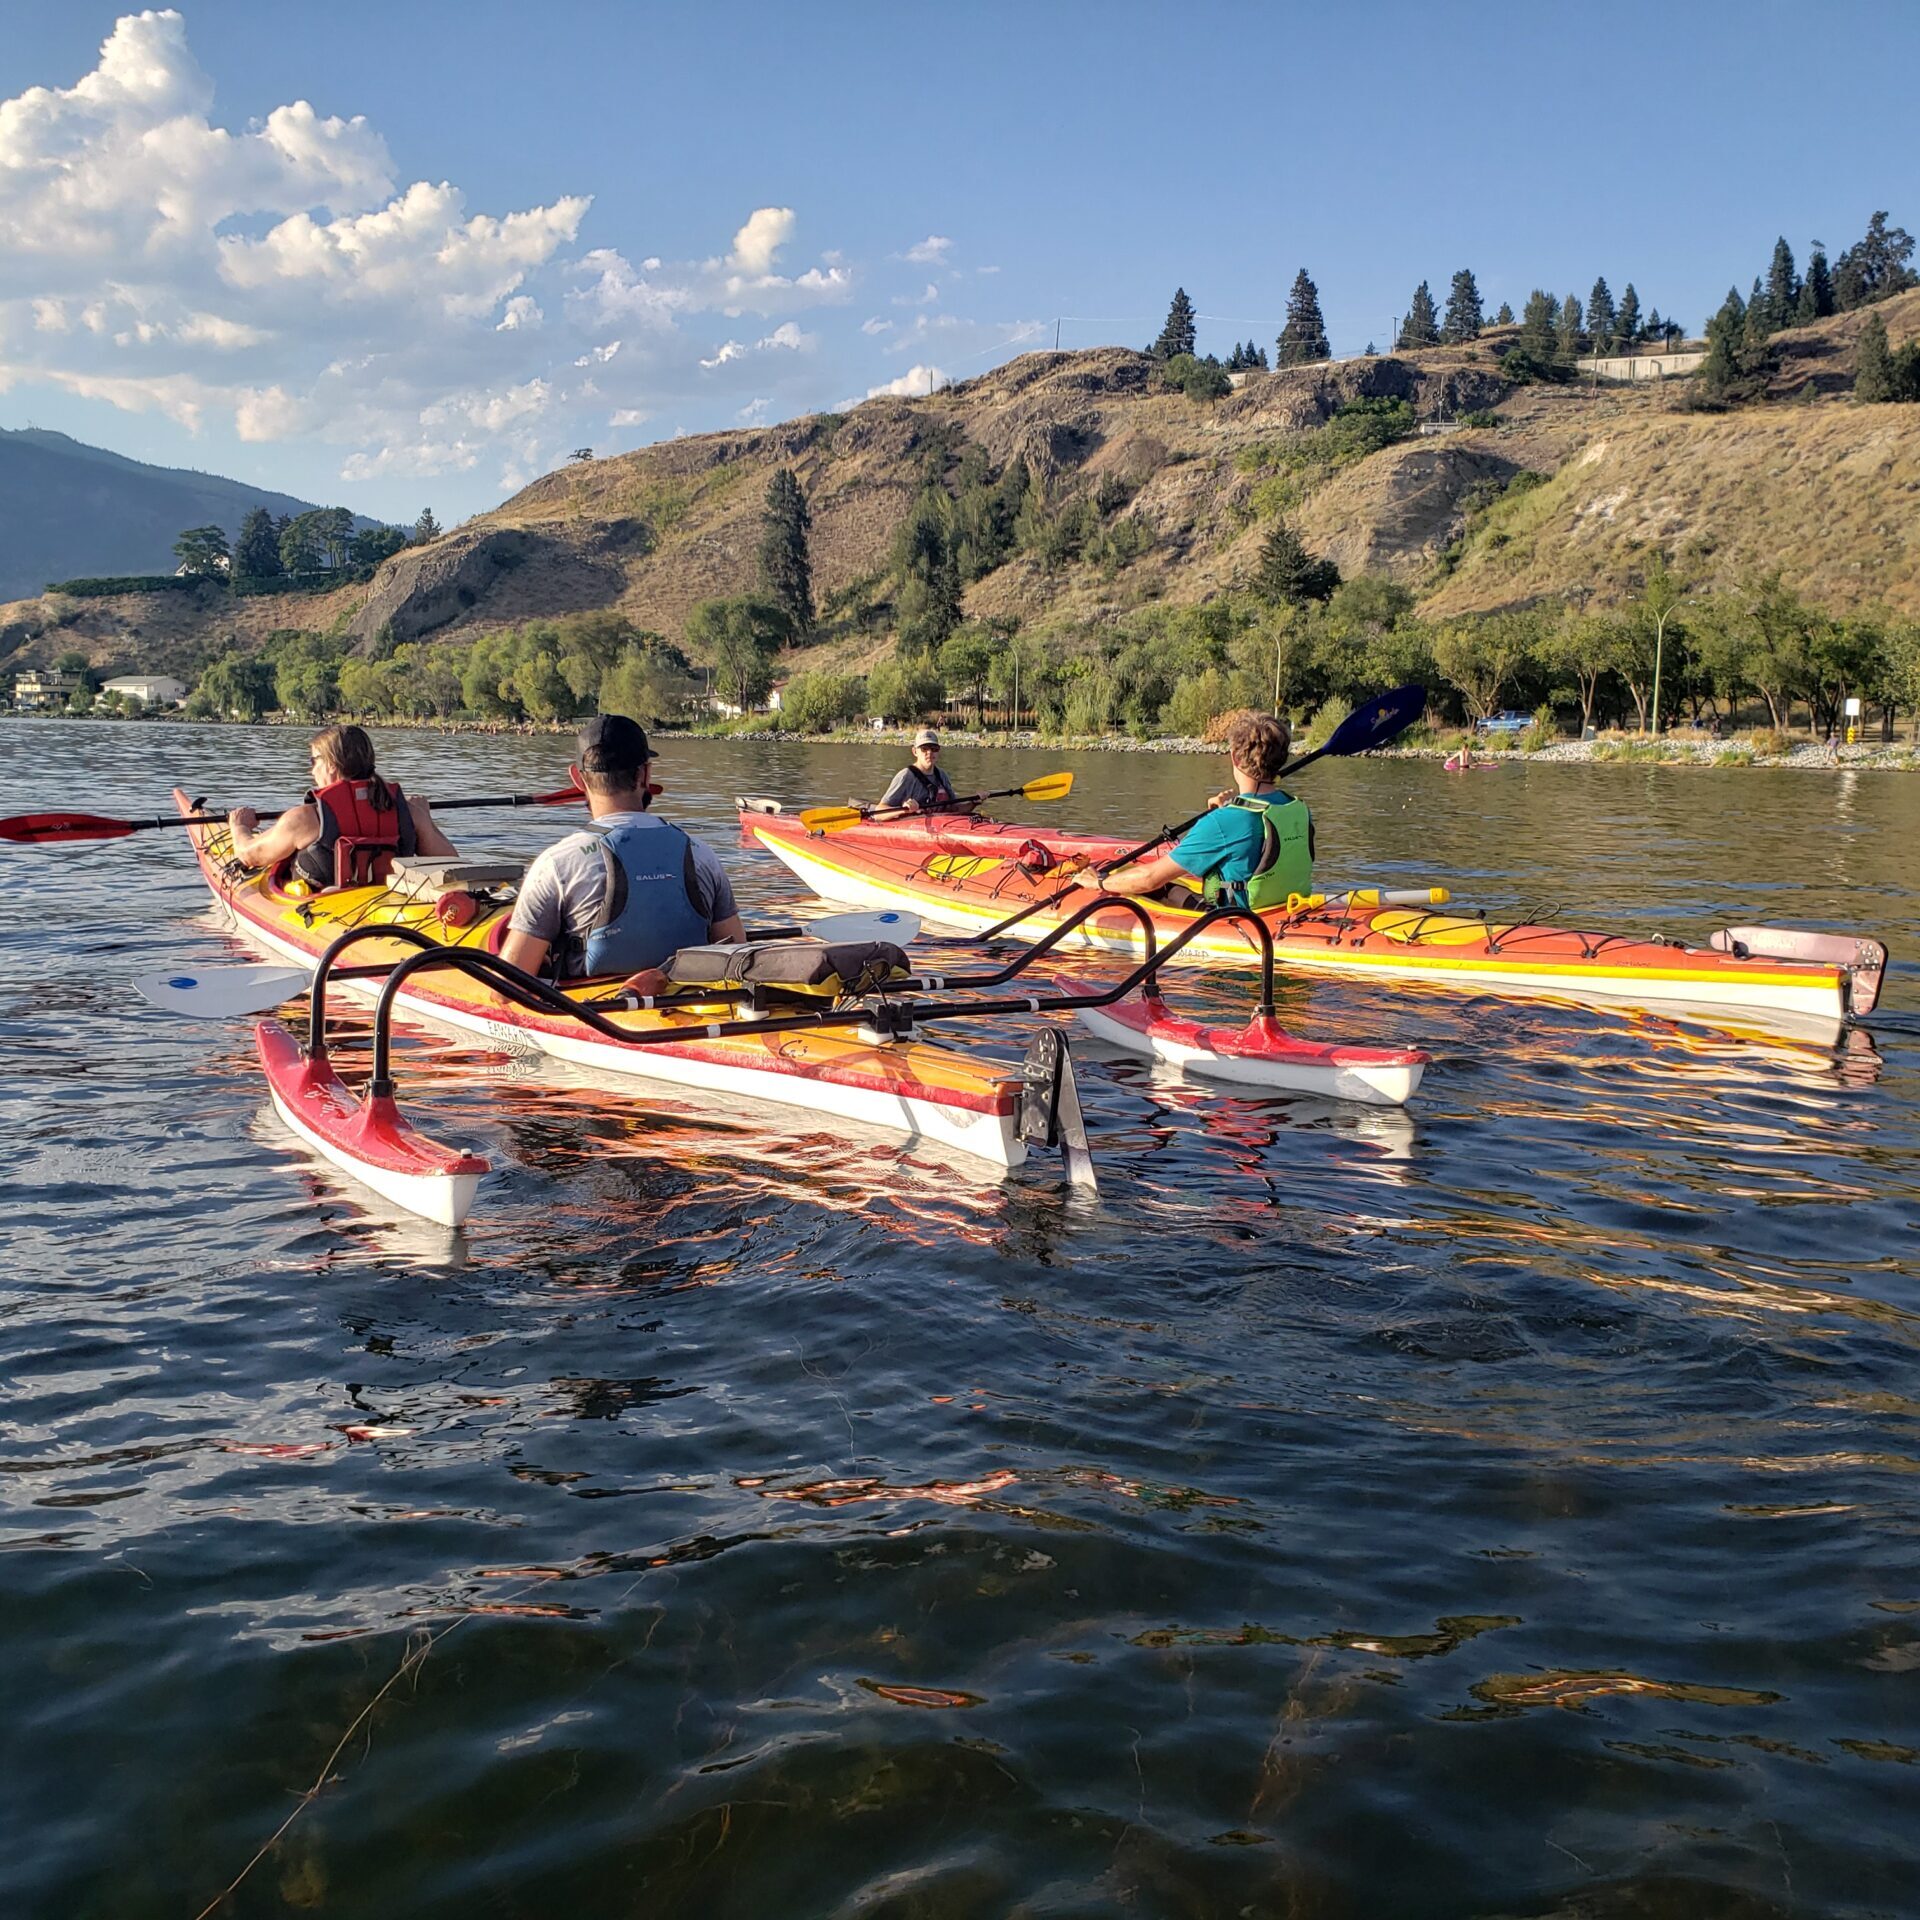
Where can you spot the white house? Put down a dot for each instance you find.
(150, 689)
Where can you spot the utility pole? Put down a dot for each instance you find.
(1056, 335)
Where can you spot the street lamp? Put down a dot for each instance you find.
(1660, 620)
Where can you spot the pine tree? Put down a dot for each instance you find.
(1783, 285)
(1288, 574)
(786, 571)
(1656, 328)
(1257, 356)
(1602, 323)
(1464, 316)
(1874, 266)
(1566, 338)
(1178, 335)
(1303, 339)
(1757, 327)
(1720, 371)
(1816, 290)
(1874, 377)
(1421, 327)
(1626, 322)
(1504, 318)
(425, 528)
(257, 555)
(1537, 324)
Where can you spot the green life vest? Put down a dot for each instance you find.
(1285, 866)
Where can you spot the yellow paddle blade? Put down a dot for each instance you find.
(1049, 786)
(830, 819)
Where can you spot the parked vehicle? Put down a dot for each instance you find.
(1506, 723)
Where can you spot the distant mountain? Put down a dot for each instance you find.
(68, 509)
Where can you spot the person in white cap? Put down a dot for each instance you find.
(921, 786)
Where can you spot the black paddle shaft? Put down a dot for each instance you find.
(1373, 725)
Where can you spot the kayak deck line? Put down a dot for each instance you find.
(861, 1057)
(966, 874)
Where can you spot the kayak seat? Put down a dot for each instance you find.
(808, 967)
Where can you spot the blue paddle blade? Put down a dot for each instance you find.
(1378, 721)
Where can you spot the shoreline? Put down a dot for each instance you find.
(1686, 749)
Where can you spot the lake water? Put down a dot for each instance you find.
(1507, 1507)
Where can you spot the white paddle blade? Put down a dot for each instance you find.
(886, 923)
(221, 993)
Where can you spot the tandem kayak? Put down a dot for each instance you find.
(971, 874)
(907, 1087)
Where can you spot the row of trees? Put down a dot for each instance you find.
(1177, 669)
(547, 670)
(321, 540)
(1298, 639)
(1873, 268)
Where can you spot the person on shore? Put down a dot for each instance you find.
(632, 888)
(351, 826)
(1253, 848)
(922, 785)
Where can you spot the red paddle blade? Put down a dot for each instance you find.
(39, 828)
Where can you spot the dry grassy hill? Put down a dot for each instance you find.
(1809, 482)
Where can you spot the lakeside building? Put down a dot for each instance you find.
(39, 688)
(150, 689)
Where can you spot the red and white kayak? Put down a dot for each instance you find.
(1262, 1055)
(972, 874)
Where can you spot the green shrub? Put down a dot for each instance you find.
(1768, 743)
(819, 702)
(1734, 757)
(1480, 417)
(1330, 714)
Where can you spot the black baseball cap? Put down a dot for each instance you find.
(611, 743)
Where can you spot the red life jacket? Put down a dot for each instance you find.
(364, 824)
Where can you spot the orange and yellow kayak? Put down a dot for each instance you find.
(971, 874)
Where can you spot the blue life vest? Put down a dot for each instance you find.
(654, 903)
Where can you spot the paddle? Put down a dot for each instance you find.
(1365, 728)
(1047, 786)
(37, 829)
(231, 993)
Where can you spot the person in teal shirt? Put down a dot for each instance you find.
(1254, 847)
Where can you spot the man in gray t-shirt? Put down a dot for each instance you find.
(561, 900)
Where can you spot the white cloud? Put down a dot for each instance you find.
(419, 458)
(925, 298)
(270, 413)
(758, 243)
(277, 278)
(754, 413)
(930, 252)
(915, 384)
(986, 269)
(876, 325)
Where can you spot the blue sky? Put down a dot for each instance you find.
(399, 255)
